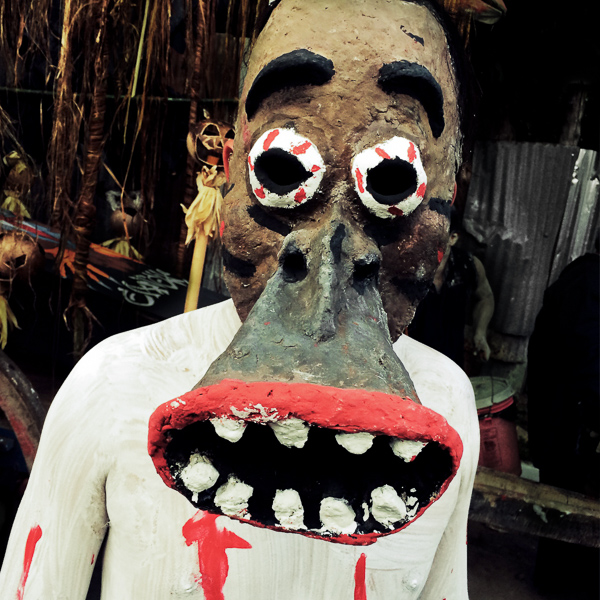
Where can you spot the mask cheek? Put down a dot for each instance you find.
(248, 264)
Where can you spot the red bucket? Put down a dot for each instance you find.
(499, 448)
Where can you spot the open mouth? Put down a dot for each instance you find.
(343, 465)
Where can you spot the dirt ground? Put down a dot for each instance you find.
(501, 567)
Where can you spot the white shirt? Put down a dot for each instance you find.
(93, 477)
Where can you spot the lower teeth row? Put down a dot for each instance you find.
(336, 515)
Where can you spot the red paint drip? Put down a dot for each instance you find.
(302, 148)
(32, 539)
(360, 588)
(267, 322)
(440, 255)
(221, 228)
(300, 196)
(270, 138)
(250, 163)
(260, 192)
(382, 153)
(212, 543)
(315, 168)
(93, 557)
(359, 180)
(394, 210)
(412, 153)
(421, 190)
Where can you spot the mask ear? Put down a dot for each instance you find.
(228, 151)
(453, 195)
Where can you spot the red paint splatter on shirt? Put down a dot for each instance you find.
(221, 228)
(269, 140)
(250, 163)
(315, 168)
(440, 255)
(212, 543)
(260, 192)
(421, 190)
(360, 588)
(382, 153)
(394, 210)
(302, 148)
(300, 196)
(412, 153)
(32, 539)
(359, 181)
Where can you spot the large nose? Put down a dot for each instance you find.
(320, 318)
(309, 422)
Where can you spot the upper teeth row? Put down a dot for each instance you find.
(293, 433)
(336, 515)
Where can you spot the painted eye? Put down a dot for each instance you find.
(390, 178)
(285, 168)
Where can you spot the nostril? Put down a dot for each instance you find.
(391, 181)
(365, 271)
(293, 265)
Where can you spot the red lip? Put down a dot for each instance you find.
(328, 408)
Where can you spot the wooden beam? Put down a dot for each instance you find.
(508, 502)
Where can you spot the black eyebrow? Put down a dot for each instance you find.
(293, 69)
(413, 79)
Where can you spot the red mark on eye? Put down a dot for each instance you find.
(260, 192)
(421, 190)
(360, 588)
(221, 228)
(359, 181)
(382, 153)
(212, 543)
(315, 168)
(300, 196)
(250, 163)
(412, 153)
(394, 210)
(302, 148)
(32, 539)
(269, 140)
(440, 255)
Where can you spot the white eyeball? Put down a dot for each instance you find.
(285, 168)
(390, 178)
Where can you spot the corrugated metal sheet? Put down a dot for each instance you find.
(535, 208)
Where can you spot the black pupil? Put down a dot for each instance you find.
(391, 181)
(279, 171)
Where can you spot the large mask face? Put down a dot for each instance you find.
(375, 105)
(343, 175)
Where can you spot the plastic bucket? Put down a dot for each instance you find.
(499, 448)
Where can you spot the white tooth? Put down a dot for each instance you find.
(355, 443)
(288, 509)
(365, 508)
(337, 516)
(232, 497)
(292, 432)
(198, 475)
(407, 450)
(386, 506)
(228, 428)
